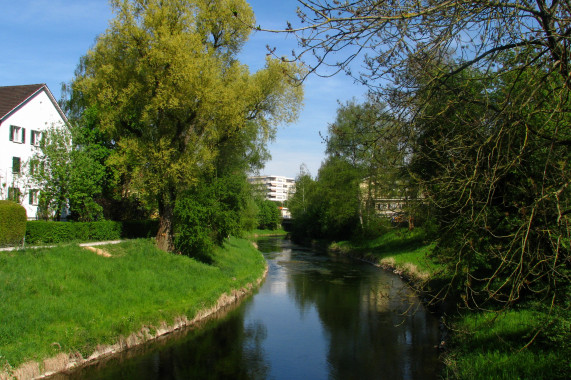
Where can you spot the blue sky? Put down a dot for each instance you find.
(42, 40)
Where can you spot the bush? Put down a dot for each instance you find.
(202, 223)
(42, 232)
(12, 223)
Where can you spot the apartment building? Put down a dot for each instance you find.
(277, 188)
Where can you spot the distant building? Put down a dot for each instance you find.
(276, 188)
(389, 200)
(25, 113)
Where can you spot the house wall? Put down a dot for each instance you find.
(38, 113)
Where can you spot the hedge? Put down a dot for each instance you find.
(42, 232)
(12, 223)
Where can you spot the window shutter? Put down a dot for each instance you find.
(11, 133)
(16, 165)
(31, 199)
(32, 137)
(23, 135)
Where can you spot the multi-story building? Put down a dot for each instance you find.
(25, 113)
(277, 188)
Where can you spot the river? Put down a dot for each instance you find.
(315, 317)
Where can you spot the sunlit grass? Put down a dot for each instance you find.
(68, 299)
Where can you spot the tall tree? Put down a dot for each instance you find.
(366, 136)
(170, 91)
(499, 190)
(482, 89)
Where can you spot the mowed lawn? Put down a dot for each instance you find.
(68, 299)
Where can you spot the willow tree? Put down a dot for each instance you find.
(166, 83)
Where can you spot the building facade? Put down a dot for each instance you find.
(276, 188)
(25, 113)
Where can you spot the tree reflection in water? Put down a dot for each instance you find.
(315, 317)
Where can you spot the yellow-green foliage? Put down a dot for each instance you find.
(12, 223)
(169, 89)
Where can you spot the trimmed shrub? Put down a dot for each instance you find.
(42, 232)
(12, 223)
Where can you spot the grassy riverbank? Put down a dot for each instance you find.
(67, 299)
(524, 343)
(406, 251)
(527, 342)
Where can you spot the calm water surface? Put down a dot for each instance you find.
(315, 317)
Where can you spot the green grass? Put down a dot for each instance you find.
(483, 345)
(493, 346)
(406, 251)
(67, 299)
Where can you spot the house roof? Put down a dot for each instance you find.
(13, 97)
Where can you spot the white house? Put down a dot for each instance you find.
(25, 112)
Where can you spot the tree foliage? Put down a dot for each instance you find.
(364, 163)
(499, 190)
(69, 175)
(170, 92)
(209, 212)
(480, 94)
(269, 215)
(328, 207)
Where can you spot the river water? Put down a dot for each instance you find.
(315, 317)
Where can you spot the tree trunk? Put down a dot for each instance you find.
(165, 239)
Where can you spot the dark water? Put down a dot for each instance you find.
(315, 317)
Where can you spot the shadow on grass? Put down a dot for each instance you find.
(395, 242)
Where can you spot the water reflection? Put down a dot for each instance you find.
(374, 324)
(315, 317)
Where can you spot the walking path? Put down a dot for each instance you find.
(90, 244)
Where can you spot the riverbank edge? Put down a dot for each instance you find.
(410, 275)
(73, 360)
(405, 271)
(448, 326)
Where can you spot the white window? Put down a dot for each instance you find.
(17, 134)
(35, 137)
